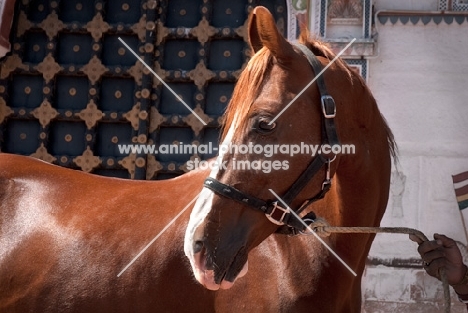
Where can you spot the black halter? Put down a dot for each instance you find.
(274, 212)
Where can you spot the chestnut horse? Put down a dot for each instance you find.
(66, 235)
(236, 211)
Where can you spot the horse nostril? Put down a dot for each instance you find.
(197, 246)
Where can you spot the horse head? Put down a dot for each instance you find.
(267, 120)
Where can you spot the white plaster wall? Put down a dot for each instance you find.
(420, 81)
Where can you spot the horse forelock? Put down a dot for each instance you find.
(246, 91)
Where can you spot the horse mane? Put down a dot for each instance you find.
(257, 68)
(320, 48)
(243, 96)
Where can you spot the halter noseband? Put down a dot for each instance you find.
(273, 211)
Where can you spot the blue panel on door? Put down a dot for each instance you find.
(76, 11)
(117, 94)
(181, 54)
(183, 13)
(22, 136)
(171, 105)
(26, 91)
(228, 13)
(227, 54)
(35, 48)
(115, 53)
(39, 9)
(74, 49)
(123, 11)
(218, 96)
(67, 138)
(169, 136)
(71, 92)
(110, 135)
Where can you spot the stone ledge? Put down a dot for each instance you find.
(424, 17)
(361, 48)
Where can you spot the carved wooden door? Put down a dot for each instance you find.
(71, 92)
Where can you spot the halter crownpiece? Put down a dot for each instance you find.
(273, 211)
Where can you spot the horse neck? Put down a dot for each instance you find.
(363, 179)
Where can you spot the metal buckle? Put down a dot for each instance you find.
(324, 108)
(277, 207)
(327, 182)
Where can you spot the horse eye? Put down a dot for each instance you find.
(265, 126)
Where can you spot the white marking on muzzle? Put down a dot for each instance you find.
(204, 204)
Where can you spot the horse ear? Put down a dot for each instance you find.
(263, 32)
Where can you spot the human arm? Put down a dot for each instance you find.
(443, 252)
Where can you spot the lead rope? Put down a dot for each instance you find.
(320, 226)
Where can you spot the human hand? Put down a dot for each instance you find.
(442, 253)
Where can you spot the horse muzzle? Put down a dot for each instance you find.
(219, 275)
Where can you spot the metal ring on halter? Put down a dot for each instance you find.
(308, 221)
(318, 226)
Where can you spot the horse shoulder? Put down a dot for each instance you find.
(9, 189)
(7, 194)
(6, 187)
